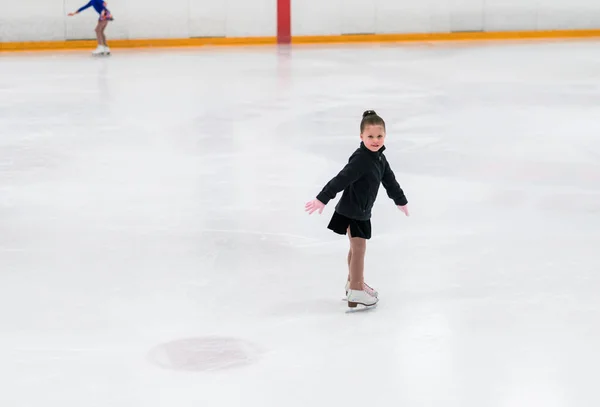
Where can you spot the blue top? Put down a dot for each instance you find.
(97, 4)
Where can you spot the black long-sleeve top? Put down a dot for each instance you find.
(360, 180)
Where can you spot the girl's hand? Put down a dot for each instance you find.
(404, 209)
(314, 205)
(71, 14)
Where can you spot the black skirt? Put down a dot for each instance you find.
(358, 228)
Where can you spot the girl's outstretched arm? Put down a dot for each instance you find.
(355, 168)
(82, 8)
(351, 172)
(393, 189)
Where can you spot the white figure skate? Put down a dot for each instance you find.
(369, 290)
(98, 51)
(101, 51)
(361, 297)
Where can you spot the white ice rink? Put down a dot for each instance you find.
(155, 252)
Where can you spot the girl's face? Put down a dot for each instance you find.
(373, 136)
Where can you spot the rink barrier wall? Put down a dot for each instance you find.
(137, 43)
(317, 39)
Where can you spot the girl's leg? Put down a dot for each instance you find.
(356, 261)
(100, 32)
(104, 25)
(103, 35)
(349, 254)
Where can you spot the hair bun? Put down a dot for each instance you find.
(369, 113)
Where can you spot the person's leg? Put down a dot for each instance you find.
(100, 32)
(356, 262)
(349, 254)
(366, 286)
(357, 292)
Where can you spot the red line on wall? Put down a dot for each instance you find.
(284, 21)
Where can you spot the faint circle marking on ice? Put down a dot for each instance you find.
(204, 354)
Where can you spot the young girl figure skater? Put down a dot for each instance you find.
(367, 168)
(105, 17)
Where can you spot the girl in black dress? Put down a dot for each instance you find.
(367, 168)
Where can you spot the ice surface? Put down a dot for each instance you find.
(154, 250)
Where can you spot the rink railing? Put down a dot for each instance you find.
(353, 38)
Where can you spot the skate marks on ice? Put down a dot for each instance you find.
(316, 308)
(277, 238)
(205, 354)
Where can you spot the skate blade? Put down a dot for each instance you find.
(345, 299)
(363, 308)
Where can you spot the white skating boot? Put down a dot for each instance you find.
(356, 297)
(98, 51)
(369, 290)
(106, 50)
